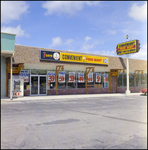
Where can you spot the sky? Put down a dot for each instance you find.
(94, 27)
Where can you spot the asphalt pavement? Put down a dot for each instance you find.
(56, 97)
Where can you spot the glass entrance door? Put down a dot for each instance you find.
(34, 85)
(38, 85)
(42, 84)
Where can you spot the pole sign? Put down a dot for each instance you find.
(61, 77)
(81, 77)
(90, 77)
(25, 75)
(98, 77)
(128, 47)
(71, 76)
(51, 76)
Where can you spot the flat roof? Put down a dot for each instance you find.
(8, 33)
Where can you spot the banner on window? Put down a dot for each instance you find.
(61, 77)
(90, 77)
(105, 80)
(105, 77)
(98, 77)
(81, 77)
(71, 76)
(51, 76)
(25, 75)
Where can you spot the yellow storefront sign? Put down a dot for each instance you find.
(14, 70)
(83, 58)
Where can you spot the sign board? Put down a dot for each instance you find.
(25, 75)
(105, 80)
(98, 77)
(90, 77)
(71, 76)
(51, 76)
(81, 77)
(61, 77)
(128, 47)
(48, 55)
(113, 72)
(14, 70)
(70, 57)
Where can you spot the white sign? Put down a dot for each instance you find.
(105, 77)
(81, 77)
(25, 75)
(61, 77)
(105, 80)
(98, 77)
(71, 76)
(51, 76)
(90, 77)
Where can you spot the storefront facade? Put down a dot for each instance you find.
(7, 51)
(61, 72)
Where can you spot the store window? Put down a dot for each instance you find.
(124, 79)
(81, 80)
(120, 82)
(131, 80)
(38, 72)
(144, 80)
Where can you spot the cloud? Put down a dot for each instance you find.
(18, 31)
(110, 32)
(86, 46)
(56, 41)
(12, 10)
(67, 7)
(107, 53)
(142, 54)
(68, 42)
(138, 13)
(87, 38)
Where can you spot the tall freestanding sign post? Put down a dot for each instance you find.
(128, 48)
(127, 72)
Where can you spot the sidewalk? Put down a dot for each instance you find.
(55, 97)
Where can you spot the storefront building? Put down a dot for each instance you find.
(7, 51)
(55, 72)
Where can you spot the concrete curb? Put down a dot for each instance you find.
(58, 97)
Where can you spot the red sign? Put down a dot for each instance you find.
(61, 76)
(71, 76)
(98, 77)
(51, 76)
(80, 77)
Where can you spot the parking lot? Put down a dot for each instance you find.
(75, 123)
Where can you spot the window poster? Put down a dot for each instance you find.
(105, 80)
(71, 76)
(25, 75)
(61, 77)
(98, 77)
(51, 76)
(90, 77)
(81, 77)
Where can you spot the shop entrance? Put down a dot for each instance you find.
(38, 85)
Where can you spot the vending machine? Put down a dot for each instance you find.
(17, 86)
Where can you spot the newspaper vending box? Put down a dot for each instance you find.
(17, 86)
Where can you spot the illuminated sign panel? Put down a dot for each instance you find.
(69, 57)
(83, 58)
(128, 47)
